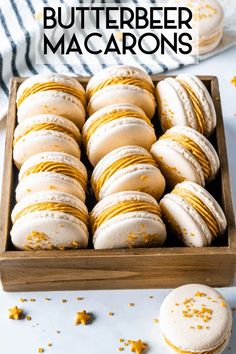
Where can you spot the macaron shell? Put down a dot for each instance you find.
(176, 328)
(185, 222)
(44, 181)
(176, 163)
(59, 230)
(135, 229)
(141, 177)
(52, 102)
(121, 132)
(43, 141)
(122, 94)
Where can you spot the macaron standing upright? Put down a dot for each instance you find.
(49, 220)
(52, 171)
(185, 100)
(121, 84)
(193, 214)
(127, 219)
(44, 133)
(195, 319)
(127, 168)
(52, 94)
(183, 154)
(115, 126)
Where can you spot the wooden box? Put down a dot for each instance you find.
(123, 268)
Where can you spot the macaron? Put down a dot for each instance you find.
(196, 319)
(52, 93)
(183, 154)
(193, 214)
(185, 100)
(127, 168)
(43, 133)
(121, 84)
(49, 220)
(52, 171)
(115, 126)
(127, 219)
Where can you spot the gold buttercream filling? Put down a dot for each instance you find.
(58, 167)
(200, 207)
(123, 208)
(192, 147)
(54, 206)
(118, 165)
(45, 126)
(139, 82)
(47, 86)
(178, 350)
(110, 116)
(196, 106)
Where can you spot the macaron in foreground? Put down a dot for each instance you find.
(49, 220)
(195, 318)
(44, 133)
(115, 126)
(193, 214)
(127, 168)
(184, 154)
(52, 94)
(52, 171)
(127, 219)
(121, 84)
(185, 100)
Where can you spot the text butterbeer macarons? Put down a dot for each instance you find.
(115, 126)
(121, 84)
(52, 93)
(125, 169)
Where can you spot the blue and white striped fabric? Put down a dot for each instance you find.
(18, 30)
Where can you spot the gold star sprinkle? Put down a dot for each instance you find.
(82, 318)
(15, 313)
(233, 81)
(137, 346)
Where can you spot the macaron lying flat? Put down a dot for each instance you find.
(125, 169)
(196, 319)
(52, 93)
(185, 101)
(45, 132)
(52, 171)
(184, 154)
(127, 219)
(193, 214)
(121, 84)
(48, 220)
(115, 126)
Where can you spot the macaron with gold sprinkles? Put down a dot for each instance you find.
(195, 319)
(49, 220)
(127, 219)
(193, 214)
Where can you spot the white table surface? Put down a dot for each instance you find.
(102, 335)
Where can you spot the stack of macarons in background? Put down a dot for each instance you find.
(132, 165)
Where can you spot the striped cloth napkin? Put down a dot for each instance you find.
(19, 23)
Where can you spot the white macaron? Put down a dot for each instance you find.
(183, 154)
(43, 133)
(185, 100)
(193, 214)
(115, 126)
(195, 319)
(127, 168)
(52, 171)
(52, 93)
(121, 84)
(48, 220)
(127, 219)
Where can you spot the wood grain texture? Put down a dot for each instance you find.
(124, 268)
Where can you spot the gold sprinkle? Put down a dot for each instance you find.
(28, 318)
(151, 297)
(223, 304)
(156, 320)
(121, 349)
(47, 299)
(82, 318)
(131, 304)
(32, 300)
(15, 313)
(233, 81)
(121, 340)
(111, 313)
(199, 327)
(63, 300)
(40, 350)
(80, 298)
(49, 344)
(22, 300)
